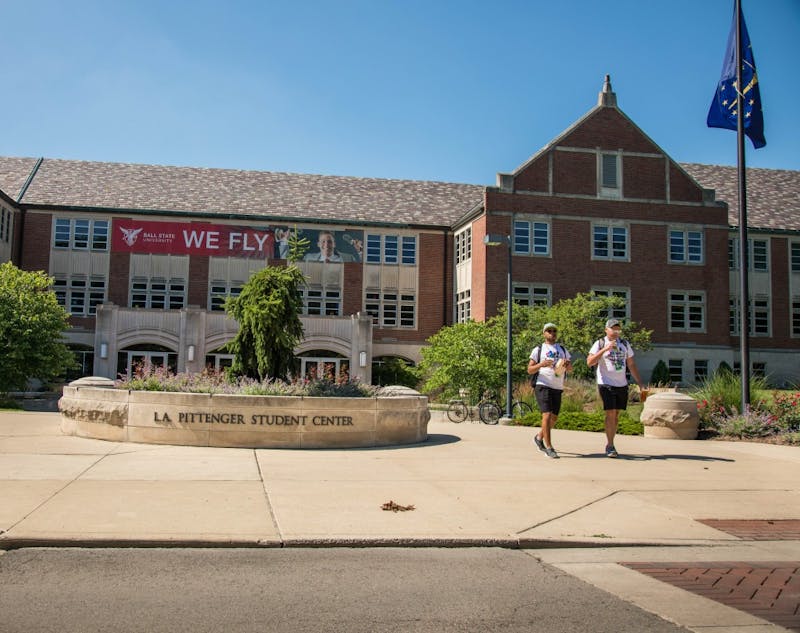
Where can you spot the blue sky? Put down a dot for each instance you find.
(422, 89)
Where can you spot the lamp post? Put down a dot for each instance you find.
(493, 239)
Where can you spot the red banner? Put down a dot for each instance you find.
(191, 238)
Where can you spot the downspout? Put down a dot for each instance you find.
(16, 257)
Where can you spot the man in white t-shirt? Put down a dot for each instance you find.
(613, 357)
(551, 361)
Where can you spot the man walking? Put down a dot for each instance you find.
(548, 362)
(613, 356)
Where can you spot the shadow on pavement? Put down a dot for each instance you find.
(643, 458)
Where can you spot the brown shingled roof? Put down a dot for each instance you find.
(235, 192)
(773, 195)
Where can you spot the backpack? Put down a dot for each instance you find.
(534, 377)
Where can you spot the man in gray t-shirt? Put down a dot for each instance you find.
(613, 357)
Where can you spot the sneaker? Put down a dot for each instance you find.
(538, 441)
(611, 452)
(551, 452)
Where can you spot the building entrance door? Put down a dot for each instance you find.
(139, 358)
(328, 368)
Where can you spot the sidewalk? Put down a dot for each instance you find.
(469, 484)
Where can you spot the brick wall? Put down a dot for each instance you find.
(119, 277)
(36, 242)
(197, 292)
(575, 173)
(644, 177)
(352, 294)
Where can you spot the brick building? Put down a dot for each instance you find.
(143, 256)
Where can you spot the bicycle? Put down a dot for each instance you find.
(492, 410)
(487, 409)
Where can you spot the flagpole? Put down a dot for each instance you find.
(744, 290)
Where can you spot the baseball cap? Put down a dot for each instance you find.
(613, 323)
(549, 326)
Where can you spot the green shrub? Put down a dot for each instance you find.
(722, 392)
(660, 375)
(588, 421)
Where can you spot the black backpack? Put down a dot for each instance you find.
(534, 377)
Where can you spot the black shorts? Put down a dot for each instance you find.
(614, 398)
(548, 399)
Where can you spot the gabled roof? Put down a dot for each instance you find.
(226, 192)
(773, 195)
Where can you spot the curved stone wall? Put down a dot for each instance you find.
(396, 416)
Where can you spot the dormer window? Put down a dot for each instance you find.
(610, 176)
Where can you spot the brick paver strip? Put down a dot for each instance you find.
(758, 530)
(768, 590)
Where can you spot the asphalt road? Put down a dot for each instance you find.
(293, 590)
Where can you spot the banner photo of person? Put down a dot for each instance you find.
(324, 245)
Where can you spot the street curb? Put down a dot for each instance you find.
(9, 544)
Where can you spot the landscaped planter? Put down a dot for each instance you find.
(396, 416)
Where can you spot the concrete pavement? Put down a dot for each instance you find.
(469, 484)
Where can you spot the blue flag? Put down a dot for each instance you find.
(723, 108)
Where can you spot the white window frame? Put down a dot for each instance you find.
(759, 307)
(393, 249)
(321, 300)
(794, 257)
(80, 295)
(219, 290)
(733, 254)
(623, 314)
(692, 302)
(532, 237)
(532, 294)
(172, 294)
(463, 245)
(395, 309)
(463, 306)
(675, 367)
(610, 228)
(794, 317)
(685, 246)
(81, 234)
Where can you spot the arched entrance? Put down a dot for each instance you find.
(135, 356)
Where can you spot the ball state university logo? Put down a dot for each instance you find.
(130, 235)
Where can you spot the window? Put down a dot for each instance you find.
(531, 295)
(463, 307)
(685, 247)
(609, 175)
(531, 238)
(391, 309)
(158, 294)
(796, 316)
(700, 370)
(675, 366)
(621, 312)
(81, 234)
(219, 291)
(80, 295)
(758, 316)
(408, 254)
(795, 257)
(464, 245)
(686, 311)
(5, 224)
(391, 249)
(610, 242)
(323, 301)
(757, 254)
(759, 369)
